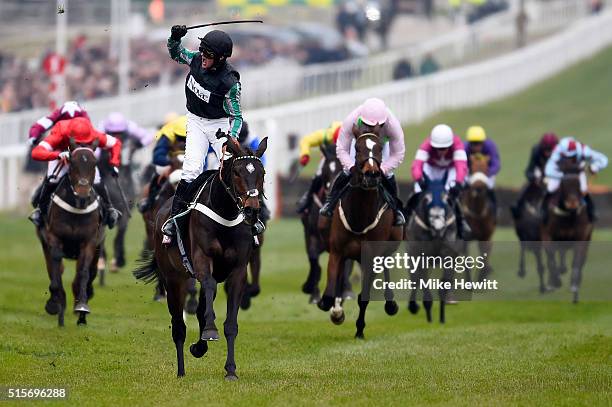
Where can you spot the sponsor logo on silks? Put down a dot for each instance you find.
(198, 90)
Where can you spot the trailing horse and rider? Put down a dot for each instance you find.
(311, 201)
(70, 223)
(362, 204)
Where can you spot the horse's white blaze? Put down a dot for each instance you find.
(370, 144)
(332, 166)
(371, 162)
(250, 168)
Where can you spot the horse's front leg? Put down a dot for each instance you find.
(119, 244)
(580, 255)
(236, 287)
(485, 251)
(521, 270)
(87, 253)
(56, 304)
(334, 268)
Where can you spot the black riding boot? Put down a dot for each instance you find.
(544, 207)
(40, 200)
(333, 197)
(396, 204)
(179, 204)
(147, 203)
(111, 215)
(306, 199)
(590, 208)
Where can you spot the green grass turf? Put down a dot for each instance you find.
(576, 102)
(288, 352)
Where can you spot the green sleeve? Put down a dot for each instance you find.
(231, 104)
(179, 53)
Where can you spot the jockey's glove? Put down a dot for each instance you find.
(115, 172)
(177, 32)
(64, 156)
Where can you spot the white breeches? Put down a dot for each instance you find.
(552, 184)
(201, 133)
(53, 165)
(437, 173)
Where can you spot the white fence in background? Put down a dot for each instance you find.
(412, 99)
(287, 81)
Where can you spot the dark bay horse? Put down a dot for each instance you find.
(122, 192)
(478, 208)
(432, 231)
(361, 215)
(568, 229)
(73, 230)
(218, 244)
(527, 225)
(315, 245)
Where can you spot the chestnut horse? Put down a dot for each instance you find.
(73, 230)
(218, 245)
(361, 215)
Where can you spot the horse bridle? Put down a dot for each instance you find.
(231, 191)
(71, 152)
(360, 163)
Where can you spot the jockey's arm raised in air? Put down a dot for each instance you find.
(494, 160)
(68, 110)
(231, 100)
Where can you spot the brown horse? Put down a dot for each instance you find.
(361, 215)
(315, 245)
(568, 222)
(527, 227)
(218, 245)
(478, 209)
(73, 230)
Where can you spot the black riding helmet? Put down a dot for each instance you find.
(216, 44)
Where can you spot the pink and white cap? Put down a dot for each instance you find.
(373, 112)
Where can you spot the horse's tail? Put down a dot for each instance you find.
(146, 269)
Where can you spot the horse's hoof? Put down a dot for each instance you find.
(348, 295)
(52, 307)
(253, 290)
(198, 349)
(81, 307)
(413, 307)
(192, 306)
(120, 262)
(325, 303)
(245, 304)
(359, 335)
(113, 267)
(231, 377)
(391, 307)
(308, 287)
(337, 317)
(521, 273)
(314, 299)
(210, 335)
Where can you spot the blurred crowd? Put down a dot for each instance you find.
(92, 71)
